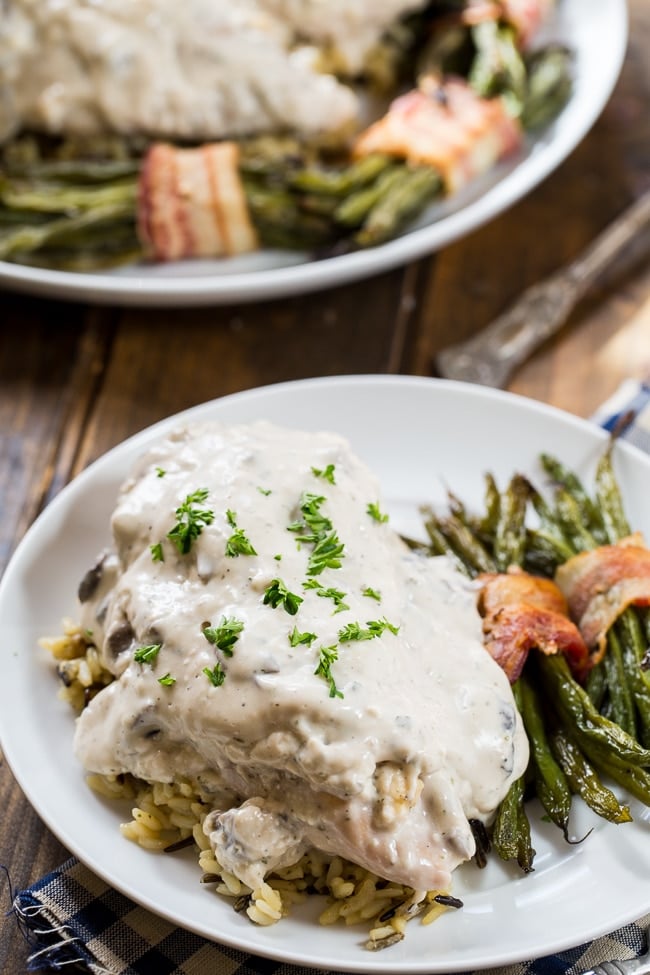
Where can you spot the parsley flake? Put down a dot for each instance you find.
(374, 512)
(224, 636)
(265, 491)
(373, 628)
(371, 593)
(191, 521)
(297, 638)
(313, 524)
(327, 473)
(336, 595)
(148, 654)
(216, 676)
(238, 543)
(326, 554)
(160, 472)
(167, 680)
(276, 594)
(326, 657)
(157, 554)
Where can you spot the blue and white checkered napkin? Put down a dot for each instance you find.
(71, 916)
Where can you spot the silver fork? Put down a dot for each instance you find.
(629, 966)
(491, 356)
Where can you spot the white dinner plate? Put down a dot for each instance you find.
(597, 33)
(421, 436)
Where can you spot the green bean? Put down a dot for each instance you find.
(584, 780)
(551, 785)
(620, 694)
(548, 85)
(467, 546)
(401, 202)
(498, 68)
(43, 197)
(568, 479)
(571, 520)
(596, 685)
(545, 551)
(609, 497)
(577, 709)
(632, 650)
(490, 520)
(28, 239)
(353, 209)
(76, 170)
(511, 837)
(510, 535)
(634, 779)
(279, 220)
(340, 182)
(440, 545)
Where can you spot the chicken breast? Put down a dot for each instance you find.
(275, 641)
(201, 69)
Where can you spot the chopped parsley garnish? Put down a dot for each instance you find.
(326, 472)
(157, 554)
(224, 636)
(160, 472)
(148, 654)
(191, 521)
(276, 594)
(167, 680)
(313, 523)
(336, 595)
(216, 675)
(265, 491)
(372, 629)
(238, 543)
(326, 554)
(296, 638)
(374, 512)
(371, 593)
(327, 656)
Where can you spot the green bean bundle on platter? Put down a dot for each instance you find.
(455, 89)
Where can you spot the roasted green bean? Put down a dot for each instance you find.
(583, 779)
(551, 785)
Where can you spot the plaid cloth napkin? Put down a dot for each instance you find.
(72, 918)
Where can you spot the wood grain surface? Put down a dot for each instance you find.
(76, 380)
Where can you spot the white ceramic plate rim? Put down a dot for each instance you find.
(598, 38)
(420, 435)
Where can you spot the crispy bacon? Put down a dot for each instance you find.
(191, 203)
(447, 126)
(601, 583)
(478, 11)
(526, 16)
(521, 611)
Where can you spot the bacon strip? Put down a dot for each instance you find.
(191, 203)
(526, 16)
(448, 127)
(601, 583)
(521, 611)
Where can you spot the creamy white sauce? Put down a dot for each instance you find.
(426, 734)
(196, 69)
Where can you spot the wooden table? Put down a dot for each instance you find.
(75, 380)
